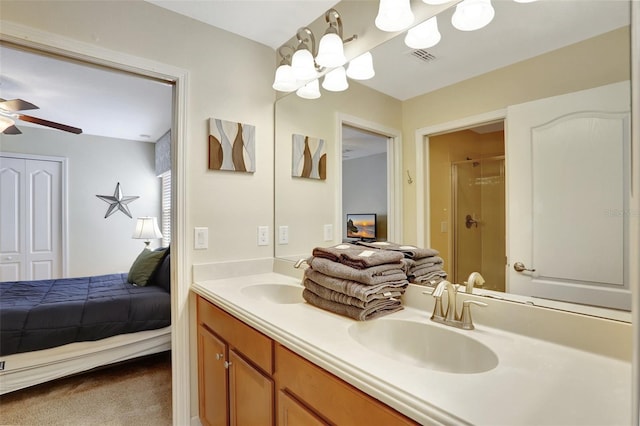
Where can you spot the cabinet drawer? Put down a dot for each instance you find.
(254, 345)
(335, 399)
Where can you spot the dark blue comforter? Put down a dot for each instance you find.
(43, 314)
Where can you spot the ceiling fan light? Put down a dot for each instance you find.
(361, 68)
(424, 35)
(336, 80)
(394, 15)
(311, 90)
(302, 65)
(5, 123)
(284, 80)
(471, 15)
(331, 51)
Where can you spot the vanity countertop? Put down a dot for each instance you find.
(536, 382)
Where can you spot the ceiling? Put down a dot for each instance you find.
(108, 103)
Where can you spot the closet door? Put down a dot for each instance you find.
(30, 219)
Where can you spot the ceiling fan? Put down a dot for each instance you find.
(10, 111)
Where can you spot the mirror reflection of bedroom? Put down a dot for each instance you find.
(85, 219)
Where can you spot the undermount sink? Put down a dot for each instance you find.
(424, 345)
(274, 293)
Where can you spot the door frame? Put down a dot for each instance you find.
(55, 44)
(64, 216)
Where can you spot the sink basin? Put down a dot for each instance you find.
(424, 345)
(274, 293)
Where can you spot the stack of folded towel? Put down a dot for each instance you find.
(354, 281)
(424, 266)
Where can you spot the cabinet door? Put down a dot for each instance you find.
(251, 393)
(292, 413)
(212, 379)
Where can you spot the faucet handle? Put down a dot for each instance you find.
(467, 322)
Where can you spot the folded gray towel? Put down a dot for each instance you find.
(408, 251)
(363, 292)
(378, 308)
(357, 257)
(430, 279)
(380, 274)
(425, 270)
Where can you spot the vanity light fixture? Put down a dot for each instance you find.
(331, 48)
(284, 80)
(471, 15)
(424, 35)
(302, 62)
(361, 67)
(394, 15)
(336, 80)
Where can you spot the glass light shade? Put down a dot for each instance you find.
(423, 36)
(336, 80)
(311, 90)
(394, 15)
(331, 51)
(285, 81)
(147, 229)
(524, 1)
(435, 2)
(471, 15)
(361, 68)
(5, 122)
(302, 65)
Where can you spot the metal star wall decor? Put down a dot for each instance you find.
(117, 202)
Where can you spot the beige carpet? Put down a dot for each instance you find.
(133, 393)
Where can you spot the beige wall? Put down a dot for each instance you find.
(594, 62)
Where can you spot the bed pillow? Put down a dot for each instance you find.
(162, 275)
(144, 266)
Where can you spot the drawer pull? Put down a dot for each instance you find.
(227, 364)
(219, 357)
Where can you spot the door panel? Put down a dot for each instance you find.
(12, 213)
(251, 394)
(568, 170)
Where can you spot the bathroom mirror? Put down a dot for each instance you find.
(305, 207)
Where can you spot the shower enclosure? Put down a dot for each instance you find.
(478, 214)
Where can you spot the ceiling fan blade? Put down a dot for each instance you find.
(11, 130)
(14, 105)
(48, 123)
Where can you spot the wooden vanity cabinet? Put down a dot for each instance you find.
(235, 364)
(240, 370)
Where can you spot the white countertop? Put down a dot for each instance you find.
(535, 382)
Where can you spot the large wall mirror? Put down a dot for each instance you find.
(482, 87)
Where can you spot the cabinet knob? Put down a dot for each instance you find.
(219, 357)
(227, 364)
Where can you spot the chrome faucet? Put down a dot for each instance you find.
(450, 315)
(475, 279)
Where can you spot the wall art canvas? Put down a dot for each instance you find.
(232, 146)
(309, 157)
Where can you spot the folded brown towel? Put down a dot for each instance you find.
(376, 309)
(426, 270)
(430, 279)
(408, 251)
(363, 292)
(357, 257)
(379, 274)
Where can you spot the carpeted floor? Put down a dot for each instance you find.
(133, 393)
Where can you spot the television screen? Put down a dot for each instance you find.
(361, 226)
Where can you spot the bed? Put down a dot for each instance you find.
(53, 328)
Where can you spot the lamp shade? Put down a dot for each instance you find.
(147, 229)
(423, 36)
(302, 65)
(284, 81)
(471, 15)
(311, 90)
(331, 51)
(361, 68)
(394, 15)
(336, 80)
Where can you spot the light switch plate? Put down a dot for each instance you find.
(263, 235)
(283, 234)
(328, 232)
(200, 238)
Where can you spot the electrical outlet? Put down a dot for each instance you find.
(328, 232)
(283, 235)
(263, 235)
(443, 227)
(200, 238)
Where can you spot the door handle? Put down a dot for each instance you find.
(519, 267)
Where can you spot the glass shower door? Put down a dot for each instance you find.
(479, 221)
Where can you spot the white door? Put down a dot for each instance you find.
(30, 219)
(568, 168)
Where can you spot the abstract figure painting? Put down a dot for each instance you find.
(309, 157)
(232, 146)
